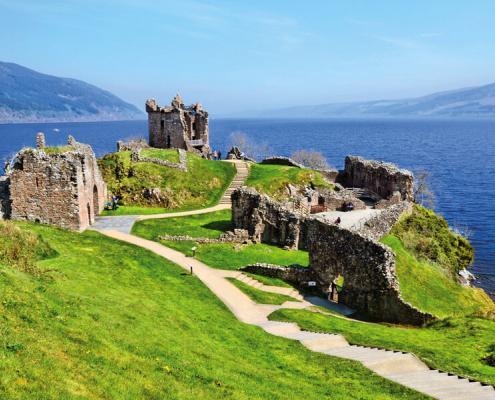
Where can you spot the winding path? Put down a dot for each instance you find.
(403, 368)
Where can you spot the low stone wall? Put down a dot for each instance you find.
(368, 268)
(237, 236)
(282, 161)
(295, 274)
(335, 200)
(132, 145)
(182, 164)
(381, 224)
(266, 220)
(4, 197)
(379, 177)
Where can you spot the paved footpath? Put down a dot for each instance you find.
(403, 368)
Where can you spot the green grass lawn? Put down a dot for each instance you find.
(456, 345)
(209, 225)
(201, 186)
(216, 255)
(430, 288)
(108, 320)
(273, 179)
(162, 154)
(259, 296)
(268, 280)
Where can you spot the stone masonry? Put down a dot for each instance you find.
(62, 188)
(178, 126)
(381, 178)
(266, 220)
(368, 269)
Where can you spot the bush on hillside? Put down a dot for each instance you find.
(429, 237)
(310, 159)
(21, 249)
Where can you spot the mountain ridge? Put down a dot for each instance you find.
(30, 96)
(478, 101)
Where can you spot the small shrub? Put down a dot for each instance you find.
(310, 159)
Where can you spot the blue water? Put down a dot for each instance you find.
(460, 156)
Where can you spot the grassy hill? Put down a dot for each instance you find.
(106, 320)
(201, 186)
(273, 179)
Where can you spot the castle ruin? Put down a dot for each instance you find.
(178, 126)
(60, 186)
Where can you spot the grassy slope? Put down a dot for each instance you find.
(113, 321)
(259, 296)
(273, 179)
(201, 186)
(430, 288)
(216, 255)
(161, 154)
(454, 345)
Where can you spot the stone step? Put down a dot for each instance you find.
(279, 328)
(325, 341)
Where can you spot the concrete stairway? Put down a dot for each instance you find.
(403, 368)
(238, 181)
(288, 291)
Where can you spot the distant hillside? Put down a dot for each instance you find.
(29, 96)
(462, 103)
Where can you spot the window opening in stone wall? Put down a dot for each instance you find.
(162, 124)
(89, 214)
(95, 200)
(168, 142)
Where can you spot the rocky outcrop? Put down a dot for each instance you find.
(381, 178)
(368, 271)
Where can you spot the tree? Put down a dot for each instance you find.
(250, 149)
(423, 194)
(310, 159)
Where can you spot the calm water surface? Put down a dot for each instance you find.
(460, 156)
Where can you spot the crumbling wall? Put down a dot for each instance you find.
(368, 268)
(381, 178)
(295, 274)
(266, 220)
(381, 224)
(63, 189)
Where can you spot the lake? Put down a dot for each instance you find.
(460, 156)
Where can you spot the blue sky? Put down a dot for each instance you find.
(249, 55)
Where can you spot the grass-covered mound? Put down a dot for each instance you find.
(273, 179)
(201, 186)
(430, 287)
(457, 345)
(216, 255)
(118, 322)
(428, 236)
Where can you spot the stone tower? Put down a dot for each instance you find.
(178, 126)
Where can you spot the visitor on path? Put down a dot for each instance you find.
(338, 221)
(219, 155)
(115, 202)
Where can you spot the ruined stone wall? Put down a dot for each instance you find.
(295, 274)
(266, 220)
(63, 189)
(4, 197)
(381, 178)
(381, 224)
(368, 268)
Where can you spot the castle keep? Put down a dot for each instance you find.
(61, 186)
(178, 126)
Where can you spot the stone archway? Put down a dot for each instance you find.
(96, 205)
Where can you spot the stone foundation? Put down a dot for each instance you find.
(380, 225)
(295, 274)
